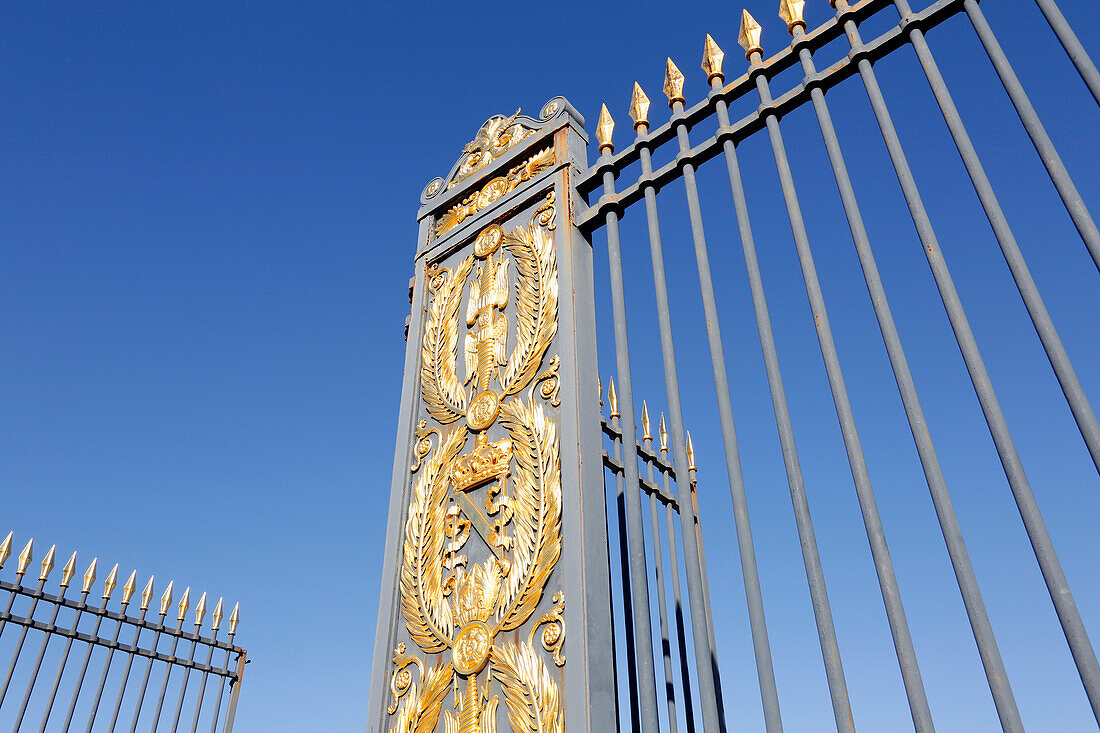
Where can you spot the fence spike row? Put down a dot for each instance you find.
(200, 609)
(674, 84)
(639, 107)
(216, 617)
(25, 558)
(68, 571)
(166, 598)
(613, 398)
(791, 13)
(128, 588)
(663, 432)
(185, 603)
(234, 618)
(749, 36)
(5, 550)
(690, 452)
(147, 594)
(47, 563)
(110, 582)
(712, 59)
(89, 576)
(646, 437)
(604, 128)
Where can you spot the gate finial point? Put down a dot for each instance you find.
(712, 60)
(68, 571)
(185, 603)
(690, 452)
(200, 610)
(129, 587)
(663, 432)
(749, 36)
(5, 550)
(604, 128)
(639, 107)
(791, 13)
(47, 563)
(89, 576)
(234, 618)
(646, 437)
(216, 617)
(166, 598)
(147, 594)
(25, 558)
(674, 84)
(110, 583)
(613, 398)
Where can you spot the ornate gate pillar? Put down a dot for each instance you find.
(495, 603)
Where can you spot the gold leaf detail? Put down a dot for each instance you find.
(444, 395)
(493, 190)
(529, 692)
(536, 303)
(420, 711)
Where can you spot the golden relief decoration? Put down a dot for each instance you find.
(493, 190)
(454, 606)
(496, 137)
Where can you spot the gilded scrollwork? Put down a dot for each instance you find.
(493, 190)
(496, 137)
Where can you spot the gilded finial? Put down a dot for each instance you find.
(129, 587)
(166, 599)
(5, 550)
(25, 558)
(110, 583)
(690, 452)
(89, 576)
(613, 398)
(674, 84)
(234, 618)
(646, 437)
(68, 571)
(749, 37)
(663, 432)
(712, 60)
(147, 594)
(47, 563)
(216, 617)
(639, 107)
(599, 387)
(185, 603)
(604, 128)
(200, 609)
(791, 13)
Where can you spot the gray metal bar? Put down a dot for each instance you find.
(186, 675)
(1075, 205)
(202, 683)
(235, 694)
(643, 637)
(47, 635)
(876, 536)
(659, 580)
(706, 598)
(61, 666)
(678, 607)
(84, 664)
(167, 673)
(1070, 42)
(624, 574)
(126, 670)
(979, 620)
(22, 638)
(106, 670)
(221, 688)
(148, 669)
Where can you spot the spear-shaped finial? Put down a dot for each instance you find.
(663, 432)
(185, 603)
(234, 618)
(47, 563)
(147, 594)
(5, 550)
(604, 127)
(646, 437)
(25, 558)
(613, 398)
(712, 59)
(674, 84)
(639, 107)
(690, 452)
(110, 583)
(129, 587)
(216, 617)
(68, 571)
(599, 387)
(749, 37)
(200, 609)
(89, 576)
(166, 598)
(791, 13)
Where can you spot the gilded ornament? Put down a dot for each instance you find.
(712, 59)
(749, 36)
(791, 13)
(639, 107)
(674, 84)
(496, 137)
(493, 190)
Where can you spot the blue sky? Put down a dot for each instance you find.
(208, 227)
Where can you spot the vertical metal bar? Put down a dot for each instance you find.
(149, 667)
(129, 663)
(84, 664)
(47, 635)
(706, 592)
(61, 664)
(749, 571)
(22, 637)
(1083, 653)
(678, 606)
(221, 682)
(979, 621)
(1075, 205)
(1074, 49)
(231, 711)
(106, 666)
(186, 675)
(891, 594)
(168, 670)
(643, 637)
(659, 580)
(624, 574)
(202, 683)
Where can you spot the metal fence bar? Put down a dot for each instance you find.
(146, 597)
(91, 646)
(200, 611)
(87, 587)
(23, 630)
(674, 578)
(165, 602)
(128, 591)
(172, 652)
(209, 657)
(1072, 45)
(225, 667)
(624, 561)
(234, 693)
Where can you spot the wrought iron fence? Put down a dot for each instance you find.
(125, 696)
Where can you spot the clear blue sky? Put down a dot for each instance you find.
(207, 233)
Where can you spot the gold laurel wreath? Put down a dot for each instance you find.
(445, 397)
(536, 303)
(529, 692)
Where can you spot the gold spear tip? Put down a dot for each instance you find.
(604, 128)
(25, 558)
(110, 582)
(89, 576)
(674, 84)
(68, 571)
(185, 603)
(599, 387)
(129, 587)
(639, 107)
(47, 563)
(200, 609)
(166, 598)
(5, 550)
(645, 423)
(791, 13)
(690, 452)
(234, 618)
(663, 432)
(749, 37)
(613, 398)
(147, 594)
(216, 617)
(712, 59)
